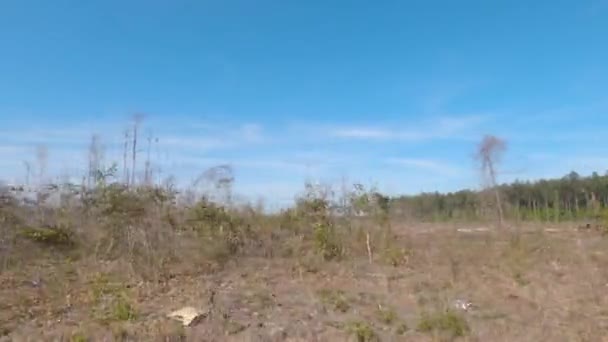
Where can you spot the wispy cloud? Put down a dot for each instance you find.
(429, 165)
(363, 133)
(219, 137)
(582, 163)
(177, 145)
(199, 144)
(438, 128)
(252, 132)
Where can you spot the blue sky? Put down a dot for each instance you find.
(395, 93)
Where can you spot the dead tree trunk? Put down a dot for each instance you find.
(489, 153)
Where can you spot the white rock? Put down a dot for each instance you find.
(461, 304)
(187, 315)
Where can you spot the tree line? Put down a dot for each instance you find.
(572, 197)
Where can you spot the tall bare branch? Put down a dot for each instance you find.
(489, 154)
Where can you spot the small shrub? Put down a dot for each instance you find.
(101, 286)
(50, 236)
(448, 322)
(602, 222)
(78, 337)
(520, 279)
(219, 230)
(362, 331)
(122, 310)
(395, 256)
(336, 299)
(401, 329)
(326, 242)
(387, 316)
(111, 300)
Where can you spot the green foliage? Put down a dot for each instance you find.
(121, 213)
(327, 243)
(603, 221)
(222, 233)
(209, 218)
(78, 337)
(118, 203)
(336, 299)
(362, 331)
(101, 176)
(401, 329)
(111, 300)
(122, 310)
(387, 315)
(448, 322)
(314, 209)
(50, 236)
(395, 256)
(8, 210)
(571, 197)
(102, 285)
(369, 202)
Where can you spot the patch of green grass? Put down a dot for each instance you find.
(395, 256)
(448, 322)
(101, 286)
(520, 278)
(51, 236)
(111, 300)
(78, 337)
(362, 331)
(402, 328)
(326, 242)
(336, 299)
(122, 310)
(387, 315)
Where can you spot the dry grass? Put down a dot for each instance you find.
(113, 269)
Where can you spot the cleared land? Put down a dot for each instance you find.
(537, 285)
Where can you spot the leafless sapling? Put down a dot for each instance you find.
(489, 154)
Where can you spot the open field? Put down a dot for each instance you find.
(534, 286)
(313, 171)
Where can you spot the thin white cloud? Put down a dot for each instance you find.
(439, 128)
(68, 145)
(252, 133)
(362, 133)
(200, 144)
(427, 165)
(185, 151)
(451, 124)
(218, 138)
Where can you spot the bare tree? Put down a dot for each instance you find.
(28, 172)
(148, 172)
(137, 119)
(95, 159)
(125, 168)
(42, 156)
(489, 154)
(216, 180)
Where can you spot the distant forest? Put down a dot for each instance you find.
(571, 197)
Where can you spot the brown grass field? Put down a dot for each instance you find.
(524, 284)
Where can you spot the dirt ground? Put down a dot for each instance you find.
(546, 285)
